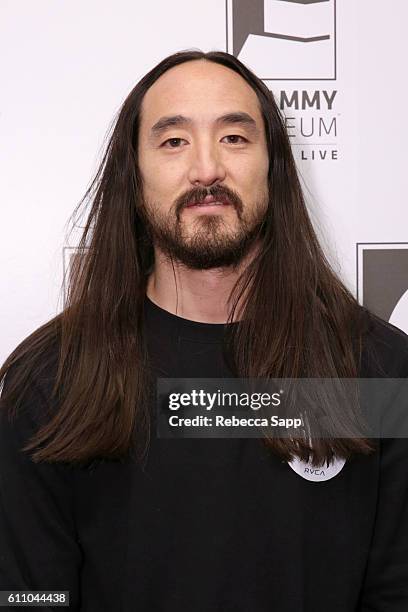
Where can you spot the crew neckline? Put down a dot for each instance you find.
(194, 330)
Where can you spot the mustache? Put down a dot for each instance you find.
(217, 191)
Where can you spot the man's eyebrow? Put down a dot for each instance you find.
(239, 118)
(180, 120)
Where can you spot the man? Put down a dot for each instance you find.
(198, 260)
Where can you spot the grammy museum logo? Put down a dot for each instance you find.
(292, 40)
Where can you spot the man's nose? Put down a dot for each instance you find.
(206, 166)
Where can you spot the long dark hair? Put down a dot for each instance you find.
(299, 318)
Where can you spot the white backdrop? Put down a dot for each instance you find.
(66, 66)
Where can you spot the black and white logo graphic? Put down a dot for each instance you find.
(284, 39)
(317, 474)
(382, 280)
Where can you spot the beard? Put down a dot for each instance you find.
(205, 241)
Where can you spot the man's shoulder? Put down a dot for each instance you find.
(385, 349)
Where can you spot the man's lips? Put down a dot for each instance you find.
(210, 201)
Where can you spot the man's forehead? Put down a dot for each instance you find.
(192, 90)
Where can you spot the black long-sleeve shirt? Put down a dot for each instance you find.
(209, 525)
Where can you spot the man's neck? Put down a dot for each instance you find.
(197, 295)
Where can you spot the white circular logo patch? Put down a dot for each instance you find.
(316, 474)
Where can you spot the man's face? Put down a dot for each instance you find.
(202, 134)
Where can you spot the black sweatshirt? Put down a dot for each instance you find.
(210, 525)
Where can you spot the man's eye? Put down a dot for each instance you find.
(173, 143)
(234, 137)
